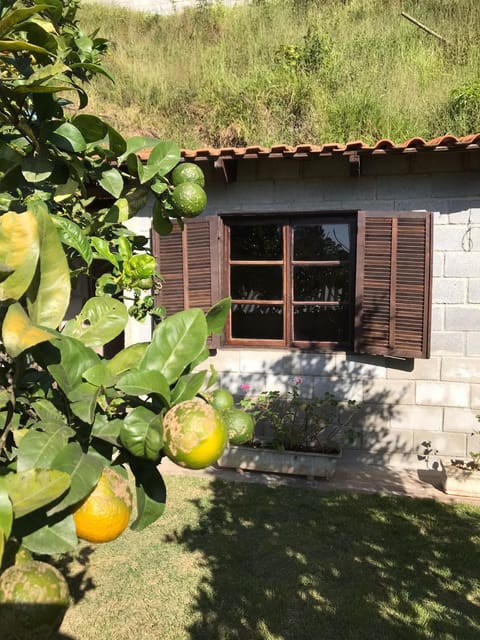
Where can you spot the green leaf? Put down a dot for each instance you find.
(35, 488)
(21, 45)
(83, 401)
(84, 471)
(117, 142)
(37, 449)
(176, 342)
(112, 182)
(136, 144)
(102, 247)
(47, 412)
(164, 157)
(17, 16)
(217, 316)
(101, 320)
(75, 359)
(92, 67)
(100, 376)
(37, 168)
(65, 136)
(139, 383)
(71, 235)
(48, 296)
(19, 251)
(188, 386)
(19, 333)
(127, 358)
(151, 494)
(107, 430)
(60, 537)
(118, 212)
(6, 514)
(160, 220)
(142, 434)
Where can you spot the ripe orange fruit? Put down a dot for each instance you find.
(194, 434)
(34, 598)
(105, 512)
(189, 199)
(221, 399)
(240, 426)
(188, 172)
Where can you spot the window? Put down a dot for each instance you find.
(356, 281)
(291, 280)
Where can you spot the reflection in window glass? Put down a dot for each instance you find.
(256, 242)
(321, 323)
(328, 284)
(256, 282)
(254, 321)
(329, 241)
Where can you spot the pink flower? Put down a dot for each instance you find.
(245, 387)
(297, 380)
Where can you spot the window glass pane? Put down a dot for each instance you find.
(257, 321)
(254, 282)
(329, 284)
(329, 241)
(256, 242)
(321, 324)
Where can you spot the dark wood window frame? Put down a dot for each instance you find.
(393, 272)
(287, 263)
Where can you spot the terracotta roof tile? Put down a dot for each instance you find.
(310, 150)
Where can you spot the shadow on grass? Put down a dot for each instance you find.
(292, 564)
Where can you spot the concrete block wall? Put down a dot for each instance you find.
(408, 406)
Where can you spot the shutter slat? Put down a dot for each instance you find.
(188, 263)
(393, 316)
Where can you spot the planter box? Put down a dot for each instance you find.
(460, 482)
(312, 465)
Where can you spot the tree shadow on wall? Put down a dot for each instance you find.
(287, 563)
(352, 377)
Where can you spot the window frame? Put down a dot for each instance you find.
(288, 263)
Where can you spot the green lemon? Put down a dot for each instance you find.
(188, 172)
(189, 199)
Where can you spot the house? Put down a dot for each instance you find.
(355, 267)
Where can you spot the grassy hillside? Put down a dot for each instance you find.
(291, 71)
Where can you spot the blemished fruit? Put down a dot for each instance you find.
(221, 399)
(240, 426)
(189, 199)
(34, 598)
(105, 513)
(188, 172)
(194, 434)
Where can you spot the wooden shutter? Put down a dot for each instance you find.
(188, 260)
(393, 293)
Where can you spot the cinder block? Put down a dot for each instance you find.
(443, 444)
(283, 384)
(464, 211)
(416, 417)
(446, 394)
(253, 384)
(473, 343)
(397, 186)
(460, 420)
(449, 290)
(464, 183)
(440, 218)
(461, 369)
(474, 289)
(448, 237)
(440, 162)
(226, 360)
(338, 189)
(438, 264)
(314, 168)
(393, 392)
(385, 165)
(438, 317)
(342, 388)
(286, 362)
(428, 369)
(475, 399)
(278, 169)
(473, 444)
(462, 264)
(355, 366)
(464, 318)
(396, 441)
(448, 343)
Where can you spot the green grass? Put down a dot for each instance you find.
(242, 561)
(291, 71)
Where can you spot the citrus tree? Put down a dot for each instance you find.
(73, 423)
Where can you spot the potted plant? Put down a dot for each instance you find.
(294, 434)
(462, 477)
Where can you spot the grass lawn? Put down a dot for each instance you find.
(246, 562)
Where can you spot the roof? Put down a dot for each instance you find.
(382, 147)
